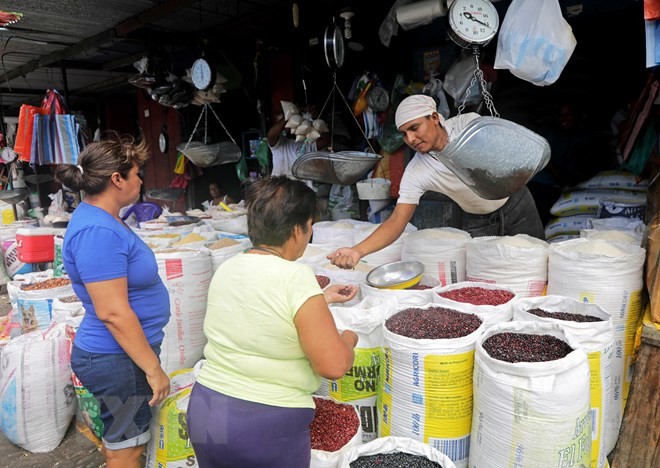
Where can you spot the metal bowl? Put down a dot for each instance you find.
(396, 275)
(341, 168)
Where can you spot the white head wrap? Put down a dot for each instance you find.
(414, 107)
(80, 169)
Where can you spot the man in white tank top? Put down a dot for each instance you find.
(427, 132)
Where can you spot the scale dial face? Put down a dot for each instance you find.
(378, 99)
(7, 155)
(474, 21)
(202, 74)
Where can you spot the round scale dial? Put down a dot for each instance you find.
(474, 21)
(202, 74)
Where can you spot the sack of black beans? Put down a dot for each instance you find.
(394, 452)
(608, 274)
(490, 302)
(425, 389)
(440, 250)
(417, 295)
(518, 262)
(358, 386)
(334, 430)
(531, 398)
(591, 327)
(186, 273)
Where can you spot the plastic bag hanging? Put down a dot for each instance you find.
(535, 42)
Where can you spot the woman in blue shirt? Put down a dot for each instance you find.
(114, 273)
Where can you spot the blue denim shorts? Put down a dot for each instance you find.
(123, 393)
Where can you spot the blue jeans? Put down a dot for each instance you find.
(123, 393)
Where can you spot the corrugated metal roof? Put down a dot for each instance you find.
(97, 40)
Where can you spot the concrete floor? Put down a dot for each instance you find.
(79, 449)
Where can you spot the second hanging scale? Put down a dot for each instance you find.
(330, 167)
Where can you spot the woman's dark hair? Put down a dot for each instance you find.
(99, 160)
(277, 205)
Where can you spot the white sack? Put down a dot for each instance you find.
(489, 314)
(531, 414)
(597, 339)
(36, 393)
(186, 275)
(396, 444)
(441, 251)
(517, 262)
(608, 274)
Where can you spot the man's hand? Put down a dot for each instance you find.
(338, 293)
(345, 258)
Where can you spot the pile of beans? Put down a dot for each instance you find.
(69, 299)
(524, 347)
(478, 296)
(323, 280)
(433, 323)
(564, 316)
(48, 284)
(345, 291)
(419, 287)
(394, 460)
(333, 426)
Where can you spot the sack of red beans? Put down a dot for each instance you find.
(592, 328)
(395, 451)
(334, 430)
(492, 303)
(531, 398)
(359, 386)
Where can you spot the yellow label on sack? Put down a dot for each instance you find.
(596, 389)
(634, 315)
(448, 395)
(384, 399)
(361, 379)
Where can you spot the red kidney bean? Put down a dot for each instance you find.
(393, 460)
(564, 316)
(333, 426)
(478, 296)
(524, 347)
(323, 280)
(433, 323)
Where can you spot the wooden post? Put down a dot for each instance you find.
(639, 438)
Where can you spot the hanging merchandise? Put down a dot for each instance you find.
(56, 136)
(203, 154)
(535, 42)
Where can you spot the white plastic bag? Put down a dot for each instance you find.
(535, 42)
(458, 81)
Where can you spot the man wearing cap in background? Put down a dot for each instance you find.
(427, 132)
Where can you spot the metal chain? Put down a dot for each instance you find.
(479, 75)
(221, 124)
(335, 88)
(192, 134)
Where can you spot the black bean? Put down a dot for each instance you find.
(524, 347)
(394, 460)
(564, 316)
(432, 323)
